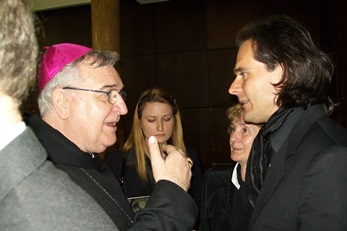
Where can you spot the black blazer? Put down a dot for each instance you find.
(216, 199)
(224, 206)
(306, 185)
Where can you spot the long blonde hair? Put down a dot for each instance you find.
(136, 139)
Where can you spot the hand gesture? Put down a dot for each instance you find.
(176, 167)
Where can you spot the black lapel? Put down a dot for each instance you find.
(277, 169)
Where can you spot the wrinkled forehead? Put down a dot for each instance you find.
(238, 122)
(100, 76)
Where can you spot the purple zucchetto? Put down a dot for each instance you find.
(55, 58)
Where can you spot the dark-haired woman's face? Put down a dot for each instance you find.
(157, 120)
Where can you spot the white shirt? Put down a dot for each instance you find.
(11, 133)
(234, 179)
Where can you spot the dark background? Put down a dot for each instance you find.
(187, 48)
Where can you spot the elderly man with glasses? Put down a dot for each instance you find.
(81, 100)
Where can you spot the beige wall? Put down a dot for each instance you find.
(38, 5)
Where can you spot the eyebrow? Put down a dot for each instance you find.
(112, 86)
(240, 69)
(241, 123)
(160, 116)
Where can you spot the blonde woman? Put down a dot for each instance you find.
(157, 114)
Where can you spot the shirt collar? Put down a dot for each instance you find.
(11, 133)
(234, 178)
(279, 136)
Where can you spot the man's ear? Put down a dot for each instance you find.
(278, 74)
(277, 77)
(61, 103)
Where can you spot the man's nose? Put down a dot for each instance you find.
(120, 107)
(235, 87)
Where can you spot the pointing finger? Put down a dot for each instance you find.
(157, 160)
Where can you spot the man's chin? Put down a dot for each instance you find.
(247, 117)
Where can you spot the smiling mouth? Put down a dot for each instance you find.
(237, 149)
(111, 124)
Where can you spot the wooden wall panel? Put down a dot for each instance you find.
(185, 75)
(226, 17)
(221, 64)
(137, 29)
(180, 26)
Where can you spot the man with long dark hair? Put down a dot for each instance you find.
(296, 172)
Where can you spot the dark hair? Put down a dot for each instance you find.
(280, 40)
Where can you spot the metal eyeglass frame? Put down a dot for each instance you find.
(122, 93)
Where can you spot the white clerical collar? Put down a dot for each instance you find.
(11, 133)
(234, 178)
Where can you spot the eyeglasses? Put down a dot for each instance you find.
(112, 94)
